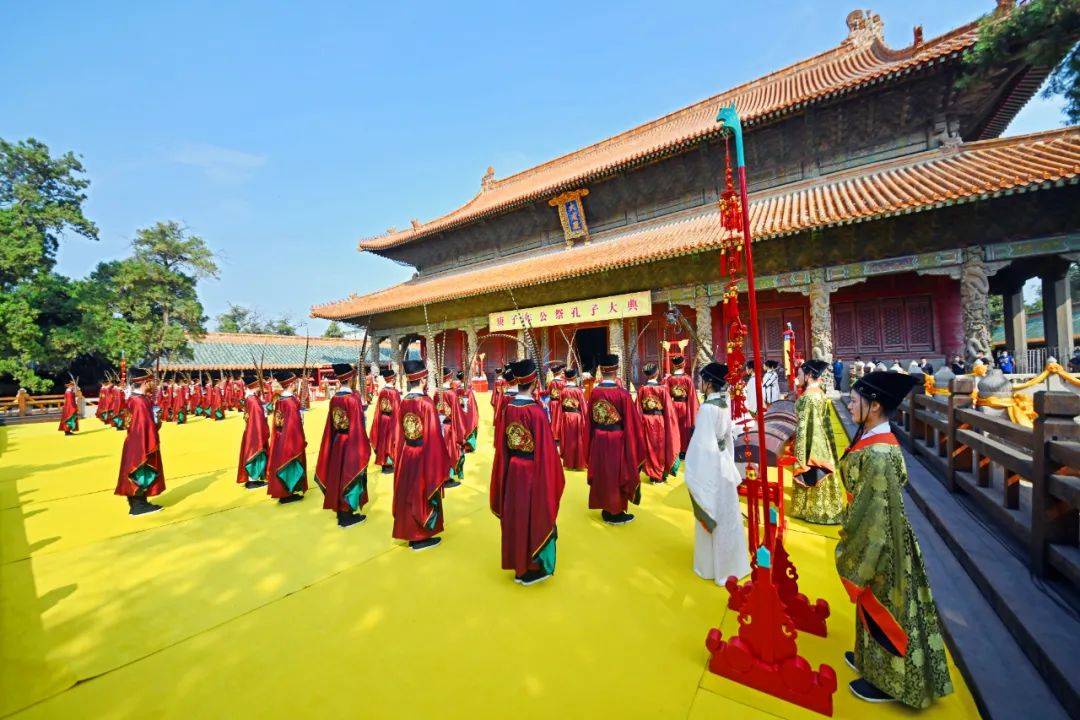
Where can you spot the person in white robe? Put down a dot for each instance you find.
(720, 544)
(770, 382)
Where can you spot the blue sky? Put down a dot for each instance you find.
(284, 132)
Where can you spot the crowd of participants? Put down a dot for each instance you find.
(569, 421)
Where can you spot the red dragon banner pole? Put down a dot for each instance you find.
(763, 654)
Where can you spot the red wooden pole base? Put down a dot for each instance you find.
(764, 656)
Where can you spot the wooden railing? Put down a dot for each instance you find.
(24, 404)
(1024, 479)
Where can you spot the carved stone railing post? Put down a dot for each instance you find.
(1052, 520)
(959, 457)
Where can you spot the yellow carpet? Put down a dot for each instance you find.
(228, 605)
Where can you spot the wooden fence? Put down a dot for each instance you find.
(1024, 479)
(26, 405)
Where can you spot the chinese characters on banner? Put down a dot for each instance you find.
(613, 307)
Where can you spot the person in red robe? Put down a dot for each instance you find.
(573, 424)
(104, 394)
(498, 388)
(615, 454)
(681, 388)
(117, 406)
(217, 400)
(386, 425)
(469, 411)
(287, 469)
(141, 473)
(554, 392)
(446, 402)
(422, 465)
(180, 401)
(255, 443)
(69, 413)
(341, 471)
(526, 483)
(509, 390)
(659, 427)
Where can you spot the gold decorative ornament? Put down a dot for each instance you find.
(519, 439)
(651, 402)
(339, 420)
(678, 391)
(604, 413)
(412, 426)
(570, 403)
(385, 405)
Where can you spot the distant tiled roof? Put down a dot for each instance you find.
(918, 182)
(861, 60)
(234, 351)
(1035, 330)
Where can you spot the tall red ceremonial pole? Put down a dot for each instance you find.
(763, 653)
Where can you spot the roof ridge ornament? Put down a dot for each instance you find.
(488, 180)
(864, 27)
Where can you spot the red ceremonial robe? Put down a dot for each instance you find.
(287, 444)
(497, 391)
(446, 402)
(470, 413)
(422, 466)
(69, 414)
(344, 454)
(614, 449)
(192, 399)
(659, 429)
(102, 412)
(386, 425)
(573, 428)
(141, 472)
(526, 486)
(554, 391)
(684, 397)
(256, 436)
(217, 404)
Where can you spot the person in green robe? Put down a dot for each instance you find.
(817, 492)
(899, 649)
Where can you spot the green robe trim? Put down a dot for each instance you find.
(144, 476)
(878, 552)
(256, 467)
(290, 474)
(471, 440)
(355, 490)
(545, 556)
(71, 422)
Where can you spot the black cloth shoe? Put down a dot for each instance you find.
(139, 506)
(295, 497)
(865, 691)
(451, 484)
(849, 658)
(616, 519)
(682, 456)
(253, 484)
(534, 576)
(419, 545)
(345, 519)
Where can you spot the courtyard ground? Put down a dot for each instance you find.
(228, 605)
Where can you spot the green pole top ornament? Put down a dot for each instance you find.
(729, 118)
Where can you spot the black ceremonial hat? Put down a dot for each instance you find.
(715, 372)
(888, 388)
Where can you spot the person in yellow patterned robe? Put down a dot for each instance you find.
(817, 493)
(899, 649)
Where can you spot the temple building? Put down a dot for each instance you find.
(885, 208)
(219, 352)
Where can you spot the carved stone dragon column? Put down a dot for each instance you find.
(821, 340)
(974, 302)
